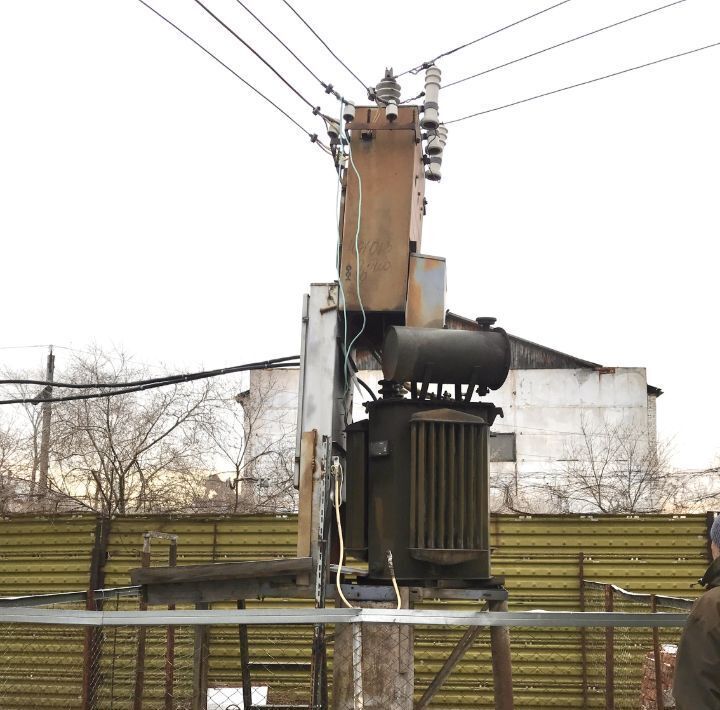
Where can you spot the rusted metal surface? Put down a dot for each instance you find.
(390, 166)
(201, 657)
(426, 292)
(502, 667)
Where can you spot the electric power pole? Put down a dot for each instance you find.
(46, 419)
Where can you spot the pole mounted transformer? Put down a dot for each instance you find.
(408, 485)
(415, 472)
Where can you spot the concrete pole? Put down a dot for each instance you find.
(374, 664)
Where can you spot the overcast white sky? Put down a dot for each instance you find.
(148, 200)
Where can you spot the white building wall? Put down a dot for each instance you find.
(544, 408)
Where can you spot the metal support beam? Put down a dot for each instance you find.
(501, 660)
(463, 645)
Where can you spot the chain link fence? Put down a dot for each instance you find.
(230, 659)
(629, 667)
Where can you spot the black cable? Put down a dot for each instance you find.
(561, 44)
(312, 136)
(165, 378)
(582, 83)
(256, 53)
(322, 41)
(328, 87)
(430, 62)
(366, 387)
(267, 29)
(142, 388)
(362, 383)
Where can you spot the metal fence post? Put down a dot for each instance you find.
(659, 700)
(501, 660)
(244, 660)
(170, 648)
(609, 654)
(583, 631)
(201, 653)
(141, 637)
(92, 644)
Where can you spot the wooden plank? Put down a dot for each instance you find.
(308, 443)
(214, 591)
(255, 569)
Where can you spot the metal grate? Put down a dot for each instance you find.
(448, 486)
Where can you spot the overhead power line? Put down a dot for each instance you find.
(561, 44)
(256, 53)
(324, 44)
(329, 88)
(119, 388)
(312, 136)
(583, 83)
(430, 62)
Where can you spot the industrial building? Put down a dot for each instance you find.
(547, 399)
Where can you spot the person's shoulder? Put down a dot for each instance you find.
(708, 604)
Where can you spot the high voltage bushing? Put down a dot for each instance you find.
(387, 94)
(431, 119)
(480, 358)
(436, 141)
(349, 112)
(434, 149)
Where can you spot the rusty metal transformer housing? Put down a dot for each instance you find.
(417, 478)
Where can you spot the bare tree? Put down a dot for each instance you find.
(252, 434)
(137, 452)
(613, 468)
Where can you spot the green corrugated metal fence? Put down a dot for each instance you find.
(540, 557)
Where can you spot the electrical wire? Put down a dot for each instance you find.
(337, 475)
(430, 62)
(391, 567)
(312, 136)
(180, 377)
(290, 51)
(349, 348)
(150, 385)
(561, 44)
(256, 53)
(324, 44)
(583, 83)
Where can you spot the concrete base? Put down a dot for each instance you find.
(374, 661)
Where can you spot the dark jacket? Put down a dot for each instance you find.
(697, 672)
